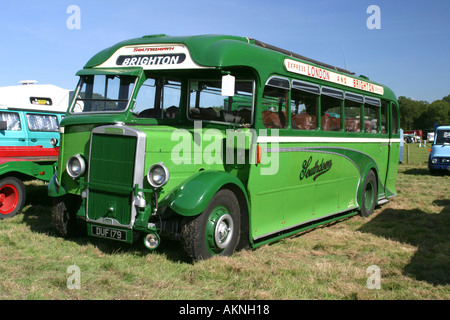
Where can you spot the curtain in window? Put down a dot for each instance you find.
(12, 120)
(39, 122)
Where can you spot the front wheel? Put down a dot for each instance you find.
(12, 197)
(369, 195)
(216, 230)
(64, 220)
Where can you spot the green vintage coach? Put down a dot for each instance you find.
(220, 142)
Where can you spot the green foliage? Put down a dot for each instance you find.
(439, 112)
(421, 115)
(447, 98)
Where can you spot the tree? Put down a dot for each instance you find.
(438, 111)
(447, 98)
(411, 112)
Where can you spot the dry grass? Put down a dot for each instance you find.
(406, 238)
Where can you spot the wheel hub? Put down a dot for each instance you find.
(223, 231)
(8, 199)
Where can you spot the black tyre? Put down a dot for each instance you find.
(369, 195)
(64, 220)
(216, 230)
(12, 197)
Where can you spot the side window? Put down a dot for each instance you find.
(304, 110)
(352, 111)
(371, 114)
(207, 103)
(12, 119)
(158, 98)
(331, 106)
(394, 119)
(384, 117)
(42, 122)
(275, 96)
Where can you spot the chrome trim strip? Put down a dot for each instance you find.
(272, 139)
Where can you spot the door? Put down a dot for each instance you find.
(267, 179)
(41, 129)
(394, 151)
(15, 133)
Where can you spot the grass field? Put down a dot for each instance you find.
(407, 239)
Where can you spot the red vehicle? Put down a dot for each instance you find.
(416, 134)
(18, 164)
(29, 131)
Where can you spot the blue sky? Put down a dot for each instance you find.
(410, 53)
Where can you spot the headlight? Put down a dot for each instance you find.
(434, 160)
(158, 175)
(53, 142)
(76, 166)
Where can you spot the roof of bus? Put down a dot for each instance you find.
(226, 51)
(36, 97)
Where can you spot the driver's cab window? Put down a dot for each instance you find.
(158, 98)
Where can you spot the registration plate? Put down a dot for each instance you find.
(110, 233)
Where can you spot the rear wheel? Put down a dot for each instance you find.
(12, 197)
(369, 195)
(216, 230)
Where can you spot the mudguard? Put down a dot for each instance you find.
(192, 196)
(364, 172)
(54, 188)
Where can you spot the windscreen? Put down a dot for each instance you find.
(103, 93)
(443, 137)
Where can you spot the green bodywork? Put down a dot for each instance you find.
(29, 169)
(275, 205)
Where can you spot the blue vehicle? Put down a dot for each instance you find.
(30, 114)
(440, 151)
(29, 132)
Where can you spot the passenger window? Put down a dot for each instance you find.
(207, 103)
(384, 109)
(352, 111)
(304, 110)
(12, 119)
(371, 114)
(158, 98)
(331, 106)
(274, 114)
(394, 119)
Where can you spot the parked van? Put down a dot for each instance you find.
(440, 151)
(29, 132)
(30, 113)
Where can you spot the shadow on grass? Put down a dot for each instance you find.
(417, 171)
(37, 215)
(428, 232)
(426, 172)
